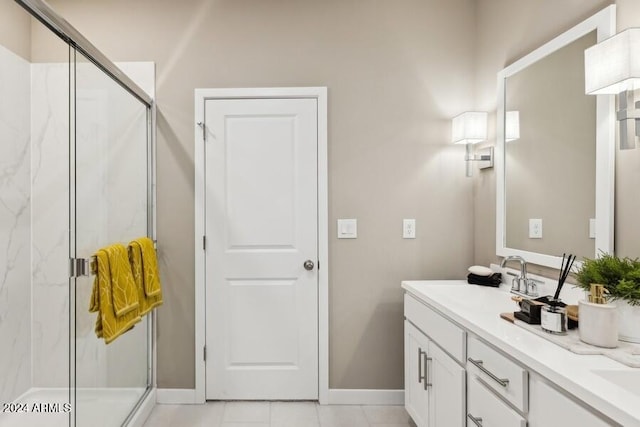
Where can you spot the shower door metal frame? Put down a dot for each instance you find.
(43, 12)
(78, 43)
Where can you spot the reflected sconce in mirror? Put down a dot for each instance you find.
(512, 126)
(612, 67)
(470, 128)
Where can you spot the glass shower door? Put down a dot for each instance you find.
(111, 206)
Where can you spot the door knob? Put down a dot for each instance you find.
(308, 265)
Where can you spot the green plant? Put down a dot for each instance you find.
(620, 276)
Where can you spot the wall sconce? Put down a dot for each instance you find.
(470, 128)
(512, 126)
(612, 67)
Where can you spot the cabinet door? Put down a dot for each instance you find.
(447, 391)
(415, 392)
(547, 406)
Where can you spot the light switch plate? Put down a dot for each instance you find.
(592, 228)
(347, 228)
(535, 228)
(408, 228)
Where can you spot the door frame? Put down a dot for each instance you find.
(320, 94)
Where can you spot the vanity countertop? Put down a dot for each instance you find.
(477, 309)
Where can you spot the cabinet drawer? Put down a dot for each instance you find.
(487, 409)
(502, 374)
(447, 335)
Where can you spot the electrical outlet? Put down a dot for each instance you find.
(408, 228)
(535, 228)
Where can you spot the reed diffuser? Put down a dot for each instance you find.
(553, 317)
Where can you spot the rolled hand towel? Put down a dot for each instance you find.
(493, 280)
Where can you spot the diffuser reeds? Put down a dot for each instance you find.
(565, 269)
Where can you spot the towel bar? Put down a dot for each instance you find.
(83, 267)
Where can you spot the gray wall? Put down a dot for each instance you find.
(396, 72)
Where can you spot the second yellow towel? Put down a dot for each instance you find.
(144, 265)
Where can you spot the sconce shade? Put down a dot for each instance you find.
(512, 126)
(469, 128)
(613, 65)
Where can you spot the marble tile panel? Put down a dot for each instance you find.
(50, 223)
(15, 209)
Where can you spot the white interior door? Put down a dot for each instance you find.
(261, 228)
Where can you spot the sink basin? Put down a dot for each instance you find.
(627, 379)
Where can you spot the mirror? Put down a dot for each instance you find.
(555, 152)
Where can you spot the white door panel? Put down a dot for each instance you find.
(261, 226)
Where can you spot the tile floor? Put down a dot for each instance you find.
(277, 414)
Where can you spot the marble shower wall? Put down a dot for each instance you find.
(34, 220)
(15, 276)
(50, 224)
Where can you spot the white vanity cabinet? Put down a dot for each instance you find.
(550, 407)
(454, 377)
(505, 377)
(493, 380)
(484, 408)
(434, 381)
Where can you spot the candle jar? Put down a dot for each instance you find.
(553, 317)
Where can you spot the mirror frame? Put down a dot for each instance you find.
(604, 22)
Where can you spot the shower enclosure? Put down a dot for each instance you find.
(76, 174)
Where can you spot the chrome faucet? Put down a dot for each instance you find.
(521, 284)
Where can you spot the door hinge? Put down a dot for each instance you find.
(204, 130)
(204, 353)
(204, 243)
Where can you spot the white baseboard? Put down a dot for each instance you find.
(366, 397)
(176, 396)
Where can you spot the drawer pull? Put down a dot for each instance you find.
(427, 383)
(479, 364)
(476, 421)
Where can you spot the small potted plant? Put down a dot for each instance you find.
(621, 279)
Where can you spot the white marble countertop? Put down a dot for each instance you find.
(477, 309)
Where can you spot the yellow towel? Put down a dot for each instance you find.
(144, 264)
(114, 295)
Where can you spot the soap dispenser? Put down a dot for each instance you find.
(598, 320)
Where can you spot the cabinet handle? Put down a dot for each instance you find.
(478, 363)
(427, 382)
(476, 421)
(420, 376)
